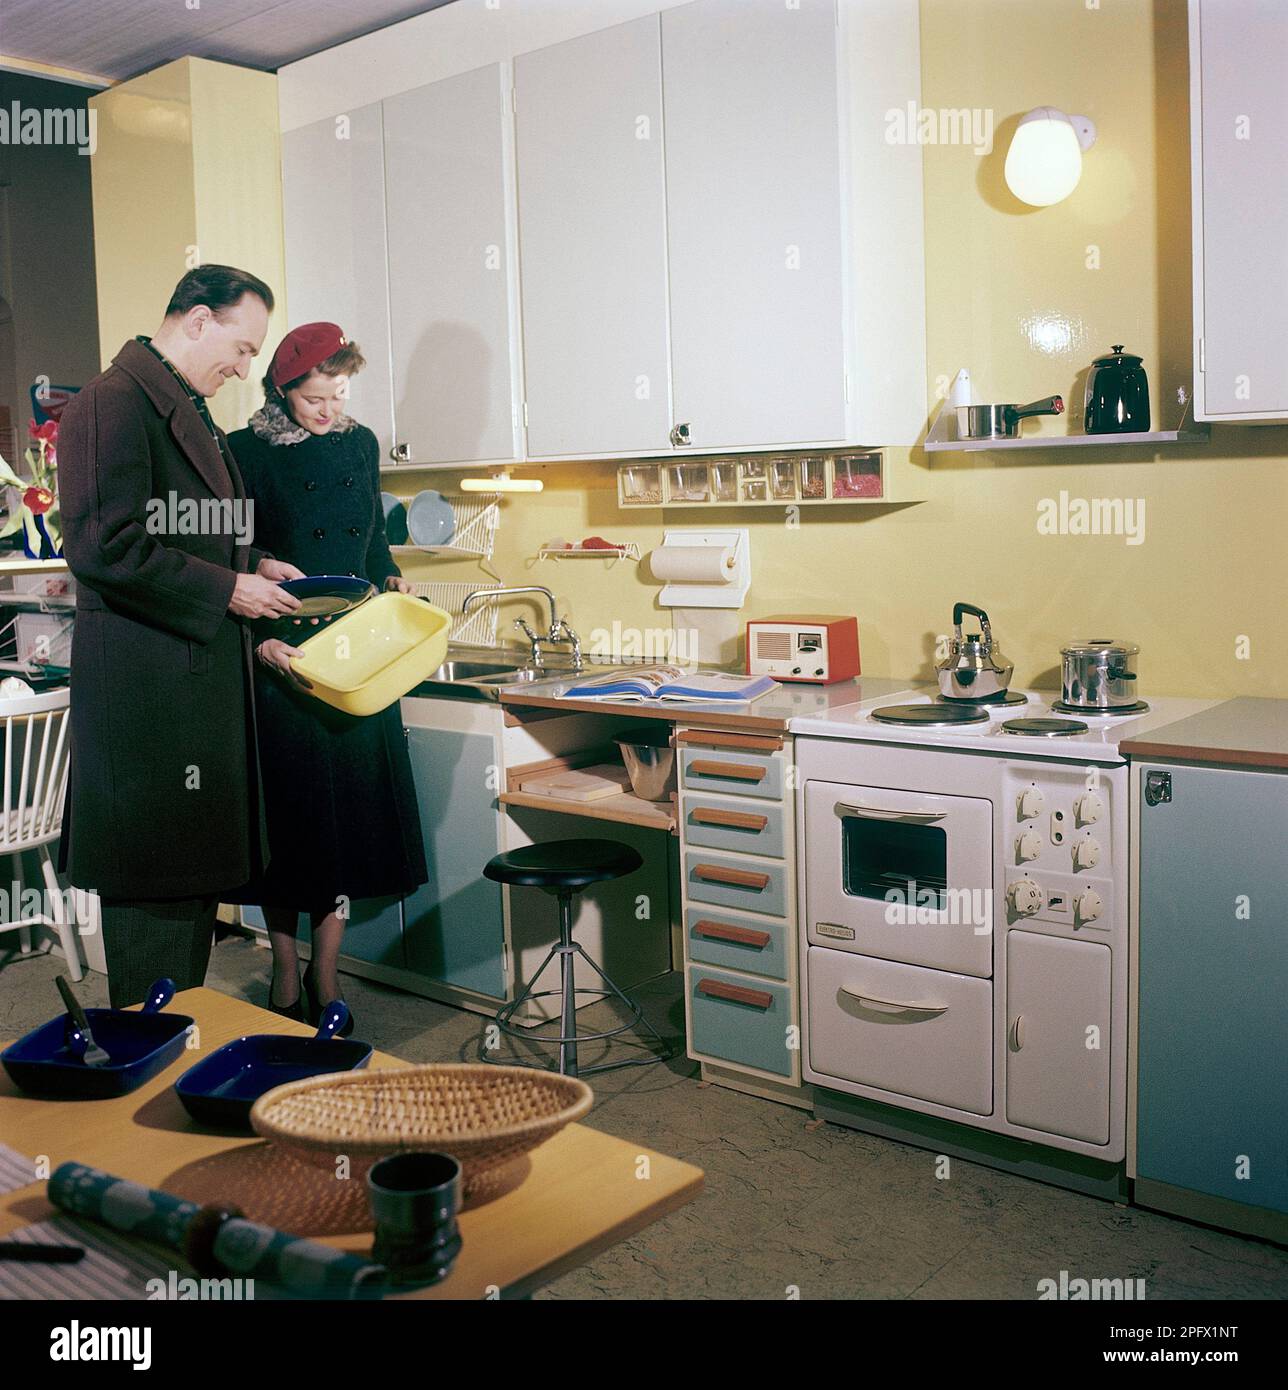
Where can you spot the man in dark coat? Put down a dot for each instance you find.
(163, 802)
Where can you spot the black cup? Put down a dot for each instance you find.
(414, 1199)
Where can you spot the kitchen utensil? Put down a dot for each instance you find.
(395, 518)
(414, 1199)
(430, 518)
(140, 1043)
(485, 1116)
(221, 1088)
(1098, 674)
(1001, 421)
(650, 762)
(372, 656)
(974, 668)
(1117, 400)
(84, 1045)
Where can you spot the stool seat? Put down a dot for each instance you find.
(567, 864)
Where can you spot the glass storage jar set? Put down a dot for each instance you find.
(768, 480)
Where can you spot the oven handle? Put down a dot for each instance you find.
(894, 1006)
(843, 809)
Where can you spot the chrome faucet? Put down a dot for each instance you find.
(559, 631)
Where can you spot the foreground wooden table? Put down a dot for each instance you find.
(583, 1191)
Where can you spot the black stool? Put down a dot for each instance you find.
(565, 867)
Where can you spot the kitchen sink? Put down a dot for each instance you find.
(473, 677)
(451, 671)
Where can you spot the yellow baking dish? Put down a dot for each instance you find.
(373, 655)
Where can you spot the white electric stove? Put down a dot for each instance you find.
(963, 889)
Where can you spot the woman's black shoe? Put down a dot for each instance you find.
(315, 1005)
(293, 1011)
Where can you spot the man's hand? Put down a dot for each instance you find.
(397, 584)
(277, 655)
(278, 570)
(257, 597)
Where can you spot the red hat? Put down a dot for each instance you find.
(302, 349)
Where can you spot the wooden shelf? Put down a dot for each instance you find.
(20, 564)
(626, 809)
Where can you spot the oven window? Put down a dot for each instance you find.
(878, 857)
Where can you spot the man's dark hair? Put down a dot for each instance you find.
(218, 287)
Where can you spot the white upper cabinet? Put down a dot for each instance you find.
(592, 229)
(451, 276)
(1239, 146)
(334, 209)
(755, 222)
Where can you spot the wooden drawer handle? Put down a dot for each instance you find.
(708, 738)
(741, 820)
(723, 931)
(739, 771)
(740, 994)
(743, 878)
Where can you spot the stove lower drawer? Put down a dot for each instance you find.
(903, 1029)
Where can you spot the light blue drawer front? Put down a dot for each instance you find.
(702, 882)
(711, 934)
(729, 770)
(702, 824)
(754, 1034)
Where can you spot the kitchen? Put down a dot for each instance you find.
(594, 312)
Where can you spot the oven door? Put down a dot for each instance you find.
(905, 876)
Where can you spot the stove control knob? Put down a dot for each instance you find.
(1088, 906)
(1028, 846)
(1024, 897)
(1086, 854)
(1031, 803)
(1088, 808)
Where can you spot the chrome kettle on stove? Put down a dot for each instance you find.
(974, 669)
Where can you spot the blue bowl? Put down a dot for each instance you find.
(49, 1061)
(430, 518)
(221, 1088)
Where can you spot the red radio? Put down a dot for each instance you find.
(822, 648)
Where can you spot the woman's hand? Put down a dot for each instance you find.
(278, 570)
(397, 584)
(276, 655)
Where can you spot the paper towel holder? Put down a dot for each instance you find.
(677, 594)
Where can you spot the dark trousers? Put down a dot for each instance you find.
(144, 941)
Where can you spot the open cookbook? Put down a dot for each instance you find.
(672, 683)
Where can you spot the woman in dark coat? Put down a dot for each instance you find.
(341, 807)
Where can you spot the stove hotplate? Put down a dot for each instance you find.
(1044, 727)
(1140, 707)
(932, 714)
(1003, 701)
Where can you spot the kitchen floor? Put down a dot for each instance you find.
(788, 1205)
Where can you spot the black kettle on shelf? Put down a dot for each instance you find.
(1117, 395)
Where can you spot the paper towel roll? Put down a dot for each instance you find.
(693, 564)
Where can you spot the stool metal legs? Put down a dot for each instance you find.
(568, 1037)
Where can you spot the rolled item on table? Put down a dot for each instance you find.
(243, 1248)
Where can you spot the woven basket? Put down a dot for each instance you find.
(486, 1117)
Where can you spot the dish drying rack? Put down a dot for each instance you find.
(474, 537)
(474, 629)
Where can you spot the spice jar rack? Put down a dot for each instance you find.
(761, 480)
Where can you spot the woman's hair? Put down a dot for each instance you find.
(347, 361)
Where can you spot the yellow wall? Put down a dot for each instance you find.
(187, 172)
(1010, 295)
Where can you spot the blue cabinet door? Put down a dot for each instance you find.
(455, 925)
(1213, 1036)
(374, 932)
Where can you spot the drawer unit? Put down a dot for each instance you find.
(738, 881)
(733, 770)
(903, 1029)
(716, 936)
(747, 1022)
(726, 822)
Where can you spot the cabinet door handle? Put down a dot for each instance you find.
(724, 931)
(1017, 1033)
(739, 994)
(740, 772)
(680, 435)
(895, 1006)
(741, 820)
(400, 453)
(742, 878)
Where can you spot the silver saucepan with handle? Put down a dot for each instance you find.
(1098, 674)
(1001, 421)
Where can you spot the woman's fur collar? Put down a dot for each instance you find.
(273, 425)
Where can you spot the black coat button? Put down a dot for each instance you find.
(353, 531)
(310, 486)
(348, 482)
(318, 534)
(335, 438)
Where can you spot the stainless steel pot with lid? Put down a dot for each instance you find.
(974, 669)
(1098, 673)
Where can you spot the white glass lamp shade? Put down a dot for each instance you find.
(1044, 163)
